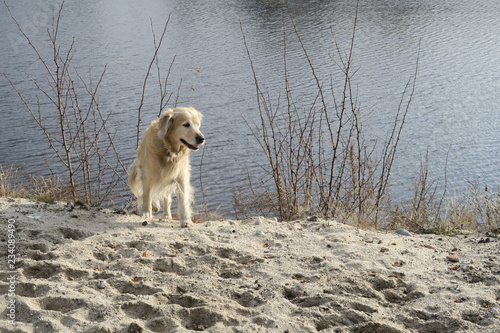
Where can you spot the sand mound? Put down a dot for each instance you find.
(80, 270)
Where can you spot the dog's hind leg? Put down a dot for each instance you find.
(155, 205)
(135, 184)
(146, 198)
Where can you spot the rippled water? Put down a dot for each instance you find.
(455, 106)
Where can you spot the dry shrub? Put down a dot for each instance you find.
(318, 159)
(68, 113)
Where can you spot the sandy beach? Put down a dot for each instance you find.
(84, 270)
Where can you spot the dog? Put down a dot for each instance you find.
(162, 164)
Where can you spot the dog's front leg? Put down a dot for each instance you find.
(167, 202)
(184, 204)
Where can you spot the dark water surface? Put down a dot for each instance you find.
(455, 107)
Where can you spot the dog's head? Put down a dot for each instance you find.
(180, 128)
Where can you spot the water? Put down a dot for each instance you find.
(454, 109)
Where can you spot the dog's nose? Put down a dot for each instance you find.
(200, 140)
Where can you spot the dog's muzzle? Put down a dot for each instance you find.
(199, 141)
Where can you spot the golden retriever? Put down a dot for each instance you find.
(162, 164)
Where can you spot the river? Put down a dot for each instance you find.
(454, 111)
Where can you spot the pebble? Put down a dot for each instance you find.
(101, 285)
(404, 232)
(259, 232)
(208, 224)
(453, 258)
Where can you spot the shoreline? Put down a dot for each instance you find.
(97, 271)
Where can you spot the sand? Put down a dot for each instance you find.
(80, 270)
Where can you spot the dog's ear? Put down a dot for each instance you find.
(165, 123)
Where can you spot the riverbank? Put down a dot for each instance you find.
(85, 270)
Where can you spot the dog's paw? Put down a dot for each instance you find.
(186, 223)
(147, 215)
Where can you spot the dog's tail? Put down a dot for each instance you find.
(134, 178)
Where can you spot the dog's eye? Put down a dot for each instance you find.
(186, 125)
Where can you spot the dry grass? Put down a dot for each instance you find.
(474, 210)
(16, 183)
(431, 212)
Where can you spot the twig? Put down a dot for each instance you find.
(153, 60)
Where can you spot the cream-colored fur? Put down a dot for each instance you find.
(162, 164)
